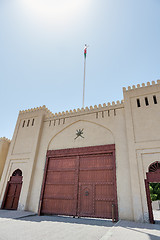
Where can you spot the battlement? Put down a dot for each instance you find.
(90, 109)
(94, 108)
(36, 109)
(141, 86)
(5, 139)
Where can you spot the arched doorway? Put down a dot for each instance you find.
(153, 176)
(13, 190)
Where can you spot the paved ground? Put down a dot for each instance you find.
(14, 214)
(18, 225)
(126, 230)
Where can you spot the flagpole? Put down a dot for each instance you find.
(85, 54)
(84, 81)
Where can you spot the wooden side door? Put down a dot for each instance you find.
(12, 193)
(86, 205)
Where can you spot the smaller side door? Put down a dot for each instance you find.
(13, 193)
(85, 200)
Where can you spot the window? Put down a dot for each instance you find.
(28, 123)
(146, 101)
(33, 122)
(23, 123)
(154, 99)
(138, 102)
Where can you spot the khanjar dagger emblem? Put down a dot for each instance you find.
(79, 133)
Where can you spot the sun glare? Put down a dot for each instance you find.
(55, 10)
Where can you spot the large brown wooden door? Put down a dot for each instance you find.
(80, 182)
(98, 172)
(12, 193)
(60, 190)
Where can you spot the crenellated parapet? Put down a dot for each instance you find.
(95, 108)
(141, 86)
(5, 139)
(90, 109)
(44, 108)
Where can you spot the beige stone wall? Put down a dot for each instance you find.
(100, 126)
(134, 131)
(4, 146)
(23, 151)
(142, 124)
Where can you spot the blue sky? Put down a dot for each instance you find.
(41, 52)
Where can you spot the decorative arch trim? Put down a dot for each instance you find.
(75, 123)
(154, 167)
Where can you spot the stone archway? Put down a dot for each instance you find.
(153, 175)
(13, 190)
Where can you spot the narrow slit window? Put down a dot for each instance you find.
(49, 123)
(146, 101)
(108, 113)
(59, 121)
(33, 122)
(114, 112)
(64, 121)
(23, 123)
(154, 99)
(28, 123)
(102, 114)
(97, 115)
(138, 102)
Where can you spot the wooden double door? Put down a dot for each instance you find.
(80, 182)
